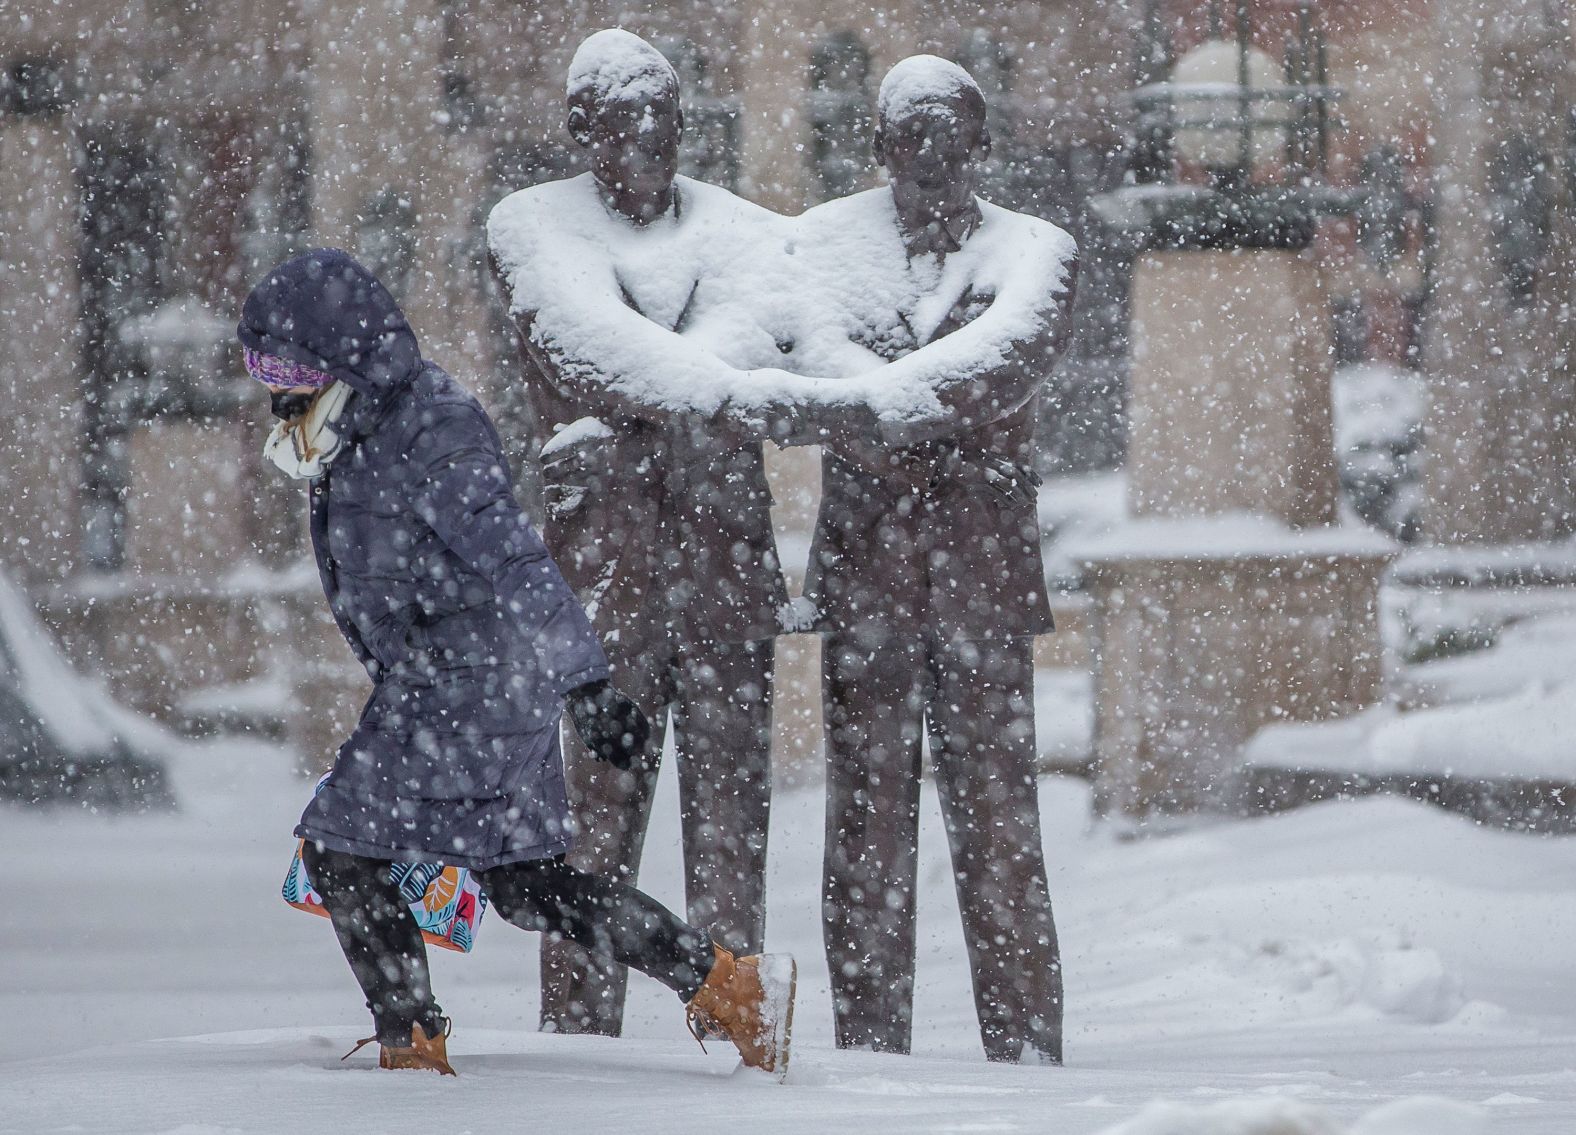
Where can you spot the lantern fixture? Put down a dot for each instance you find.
(1231, 145)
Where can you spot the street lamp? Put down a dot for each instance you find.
(1230, 110)
(1204, 633)
(1254, 128)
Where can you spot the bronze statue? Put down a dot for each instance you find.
(657, 511)
(926, 576)
(659, 319)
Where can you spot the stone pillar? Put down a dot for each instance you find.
(1229, 600)
(387, 178)
(40, 431)
(395, 187)
(1212, 631)
(1499, 352)
(1229, 397)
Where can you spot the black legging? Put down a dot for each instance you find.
(385, 950)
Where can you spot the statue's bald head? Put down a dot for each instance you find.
(613, 64)
(931, 136)
(624, 110)
(929, 84)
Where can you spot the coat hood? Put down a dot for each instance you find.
(324, 310)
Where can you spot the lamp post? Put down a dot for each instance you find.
(1229, 599)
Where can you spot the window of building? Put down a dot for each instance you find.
(841, 117)
(710, 149)
(124, 220)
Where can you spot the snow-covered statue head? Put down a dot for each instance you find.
(931, 137)
(624, 109)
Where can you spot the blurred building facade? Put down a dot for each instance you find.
(156, 156)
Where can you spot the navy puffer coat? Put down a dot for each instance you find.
(441, 585)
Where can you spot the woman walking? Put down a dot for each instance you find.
(476, 646)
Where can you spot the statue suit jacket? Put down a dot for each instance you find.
(910, 536)
(657, 516)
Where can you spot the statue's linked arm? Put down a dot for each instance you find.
(602, 353)
(987, 368)
(584, 332)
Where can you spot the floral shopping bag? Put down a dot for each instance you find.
(447, 902)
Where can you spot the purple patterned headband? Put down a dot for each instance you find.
(276, 370)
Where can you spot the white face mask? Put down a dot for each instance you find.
(304, 447)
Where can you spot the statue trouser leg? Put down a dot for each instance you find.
(981, 721)
(582, 992)
(722, 728)
(872, 692)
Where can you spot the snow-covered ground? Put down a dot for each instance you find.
(1310, 973)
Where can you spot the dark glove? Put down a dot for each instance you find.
(611, 725)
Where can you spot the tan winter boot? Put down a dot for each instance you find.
(750, 1001)
(423, 1052)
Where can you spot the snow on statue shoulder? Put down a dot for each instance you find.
(1019, 272)
(688, 317)
(683, 301)
(652, 320)
(691, 316)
